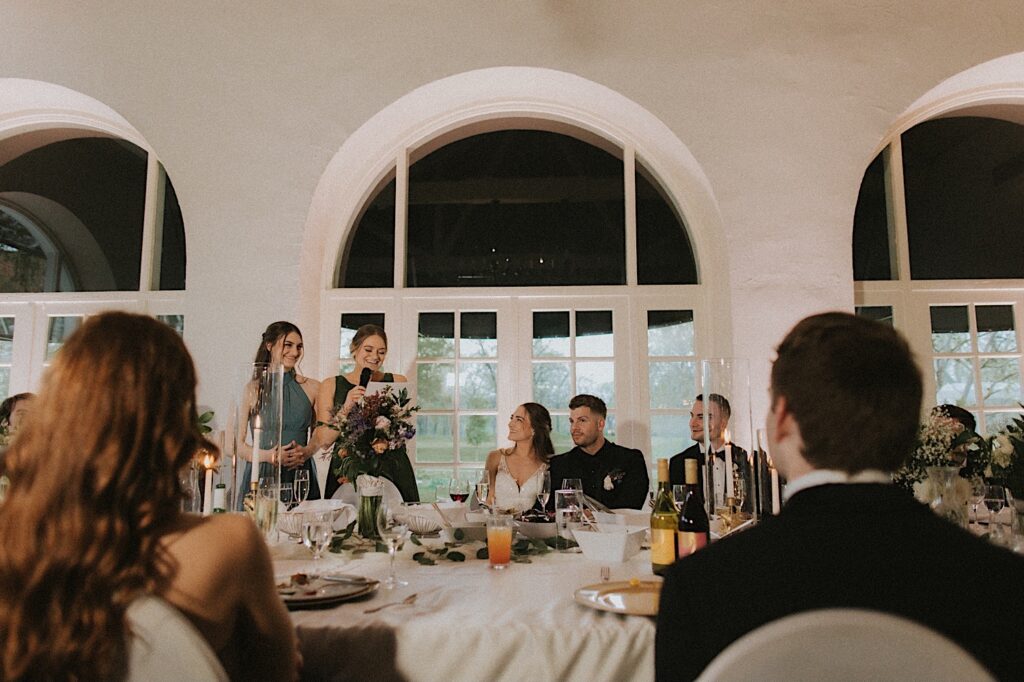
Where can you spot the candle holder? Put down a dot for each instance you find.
(729, 491)
(258, 442)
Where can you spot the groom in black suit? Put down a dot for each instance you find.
(846, 398)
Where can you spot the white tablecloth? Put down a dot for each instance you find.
(470, 622)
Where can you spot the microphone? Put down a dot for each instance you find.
(364, 376)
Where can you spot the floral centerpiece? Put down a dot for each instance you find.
(948, 455)
(371, 444)
(1007, 461)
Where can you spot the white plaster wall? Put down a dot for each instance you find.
(782, 104)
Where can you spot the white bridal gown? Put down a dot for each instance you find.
(510, 495)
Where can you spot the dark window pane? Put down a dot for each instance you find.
(872, 259)
(551, 334)
(516, 208)
(436, 335)
(878, 313)
(663, 251)
(175, 322)
(995, 329)
(965, 198)
(369, 260)
(172, 242)
(950, 329)
(86, 199)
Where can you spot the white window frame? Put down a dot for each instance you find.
(911, 300)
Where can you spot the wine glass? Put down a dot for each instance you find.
(300, 486)
(545, 490)
(977, 497)
(458, 490)
(392, 533)
(995, 500)
(572, 484)
(679, 495)
(317, 532)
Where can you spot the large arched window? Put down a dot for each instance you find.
(88, 221)
(526, 263)
(937, 244)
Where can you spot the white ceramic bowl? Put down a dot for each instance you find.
(613, 544)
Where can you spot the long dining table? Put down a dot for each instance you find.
(471, 622)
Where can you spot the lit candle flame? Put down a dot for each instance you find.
(208, 461)
(727, 440)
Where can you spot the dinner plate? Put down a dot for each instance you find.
(319, 593)
(633, 598)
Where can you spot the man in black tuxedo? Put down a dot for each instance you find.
(716, 413)
(846, 398)
(613, 475)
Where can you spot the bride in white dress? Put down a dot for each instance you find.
(516, 474)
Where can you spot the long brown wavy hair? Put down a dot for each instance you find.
(94, 486)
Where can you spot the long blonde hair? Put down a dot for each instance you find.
(94, 486)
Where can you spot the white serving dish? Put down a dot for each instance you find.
(471, 532)
(290, 522)
(536, 530)
(612, 544)
(635, 517)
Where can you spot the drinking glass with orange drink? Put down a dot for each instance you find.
(499, 540)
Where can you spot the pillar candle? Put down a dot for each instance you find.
(729, 490)
(257, 433)
(775, 491)
(208, 488)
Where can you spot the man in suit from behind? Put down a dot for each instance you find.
(845, 404)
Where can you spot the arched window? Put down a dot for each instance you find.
(937, 246)
(513, 264)
(88, 222)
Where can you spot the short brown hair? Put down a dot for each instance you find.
(853, 388)
(595, 404)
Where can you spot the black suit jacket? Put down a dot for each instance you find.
(869, 546)
(626, 466)
(677, 470)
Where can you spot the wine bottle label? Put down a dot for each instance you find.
(691, 542)
(663, 546)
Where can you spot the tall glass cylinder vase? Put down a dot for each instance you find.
(729, 442)
(260, 413)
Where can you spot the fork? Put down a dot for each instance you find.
(405, 602)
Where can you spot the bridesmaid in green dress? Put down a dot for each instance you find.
(338, 394)
(282, 342)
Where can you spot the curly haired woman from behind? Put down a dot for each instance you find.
(92, 519)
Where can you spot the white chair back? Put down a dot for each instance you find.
(165, 646)
(844, 644)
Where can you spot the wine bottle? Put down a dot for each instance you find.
(693, 520)
(664, 523)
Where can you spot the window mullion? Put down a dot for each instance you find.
(401, 215)
(149, 268)
(629, 178)
(897, 203)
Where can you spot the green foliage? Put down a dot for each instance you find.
(204, 422)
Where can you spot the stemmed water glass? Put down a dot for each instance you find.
(483, 487)
(392, 533)
(995, 500)
(977, 497)
(317, 531)
(300, 486)
(545, 491)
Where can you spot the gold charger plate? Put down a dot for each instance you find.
(633, 598)
(319, 593)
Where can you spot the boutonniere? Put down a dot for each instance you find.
(613, 478)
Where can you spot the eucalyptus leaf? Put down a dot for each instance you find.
(415, 540)
(482, 553)
(456, 556)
